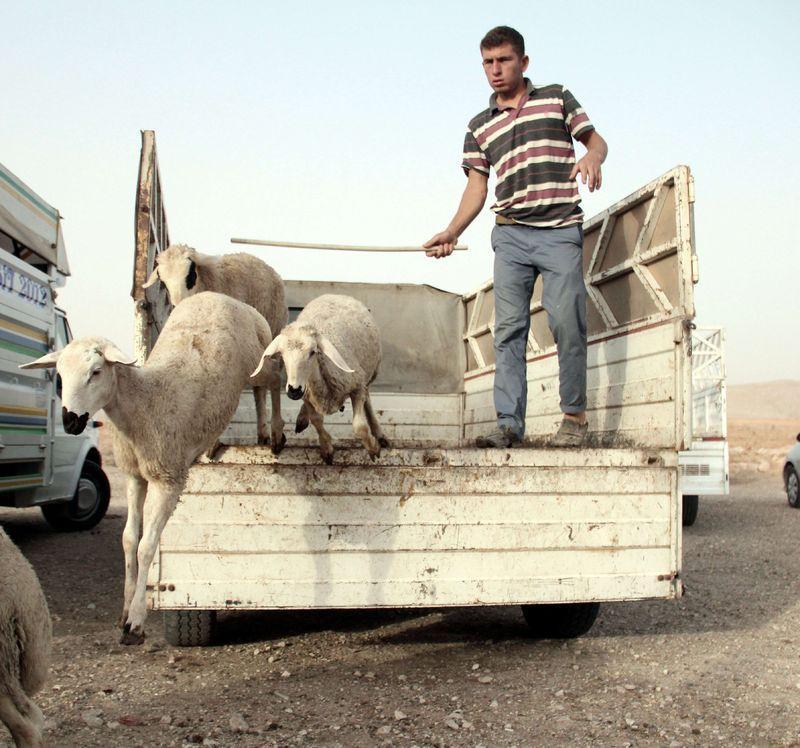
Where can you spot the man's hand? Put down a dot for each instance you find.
(589, 167)
(441, 245)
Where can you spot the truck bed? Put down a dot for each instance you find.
(421, 527)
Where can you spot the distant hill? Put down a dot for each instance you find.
(776, 400)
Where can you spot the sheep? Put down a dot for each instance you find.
(185, 272)
(332, 334)
(164, 414)
(25, 639)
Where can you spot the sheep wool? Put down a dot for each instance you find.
(25, 641)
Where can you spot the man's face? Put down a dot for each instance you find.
(504, 68)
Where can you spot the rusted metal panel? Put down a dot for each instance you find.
(421, 332)
(151, 236)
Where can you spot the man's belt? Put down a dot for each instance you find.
(503, 221)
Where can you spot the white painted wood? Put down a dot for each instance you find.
(253, 538)
(632, 392)
(430, 418)
(239, 594)
(421, 527)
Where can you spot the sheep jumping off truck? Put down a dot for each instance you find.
(165, 413)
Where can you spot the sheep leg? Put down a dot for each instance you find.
(301, 424)
(260, 396)
(374, 426)
(25, 729)
(278, 438)
(137, 490)
(361, 424)
(325, 441)
(161, 501)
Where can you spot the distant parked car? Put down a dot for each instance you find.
(791, 470)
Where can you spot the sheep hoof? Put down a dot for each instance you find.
(263, 440)
(131, 636)
(384, 442)
(328, 458)
(276, 448)
(211, 453)
(301, 424)
(341, 410)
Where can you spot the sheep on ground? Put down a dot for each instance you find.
(185, 272)
(165, 413)
(331, 352)
(25, 637)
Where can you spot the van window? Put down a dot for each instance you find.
(63, 335)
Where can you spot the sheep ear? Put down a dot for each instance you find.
(45, 362)
(114, 355)
(329, 349)
(273, 349)
(152, 279)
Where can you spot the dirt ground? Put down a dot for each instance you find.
(719, 667)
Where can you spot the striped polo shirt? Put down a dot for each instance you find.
(530, 148)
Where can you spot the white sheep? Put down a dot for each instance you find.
(165, 413)
(185, 272)
(25, 638)
(331, 352)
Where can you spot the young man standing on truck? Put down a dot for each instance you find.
(526, 135)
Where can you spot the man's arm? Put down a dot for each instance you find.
(472, 201)
(589, 165)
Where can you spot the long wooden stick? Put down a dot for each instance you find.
(336, 247)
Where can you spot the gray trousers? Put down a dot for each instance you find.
(521, 254)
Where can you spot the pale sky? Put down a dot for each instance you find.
(343, 122)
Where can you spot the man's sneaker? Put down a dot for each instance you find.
(500, 438)
(570, 434)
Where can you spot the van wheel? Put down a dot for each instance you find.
(560, 620)
(690, 507)
(189, 628)
(87, 507)
(792, 486)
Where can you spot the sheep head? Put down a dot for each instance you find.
(88, 371)
(299, 346)
(176, 267)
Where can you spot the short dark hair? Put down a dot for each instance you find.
(500, 35)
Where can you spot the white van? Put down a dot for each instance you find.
(40, 465)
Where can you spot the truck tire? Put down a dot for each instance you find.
(560, 620)
(792, 484)
(690, 507)
(189, 628)
(87, 507)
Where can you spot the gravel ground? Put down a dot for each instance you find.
(719, 667)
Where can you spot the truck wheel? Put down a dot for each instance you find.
(560, 620)
(690, 507)
(189, 628)
(87, 507)
(792, 486)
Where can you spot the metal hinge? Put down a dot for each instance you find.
(695, 269)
